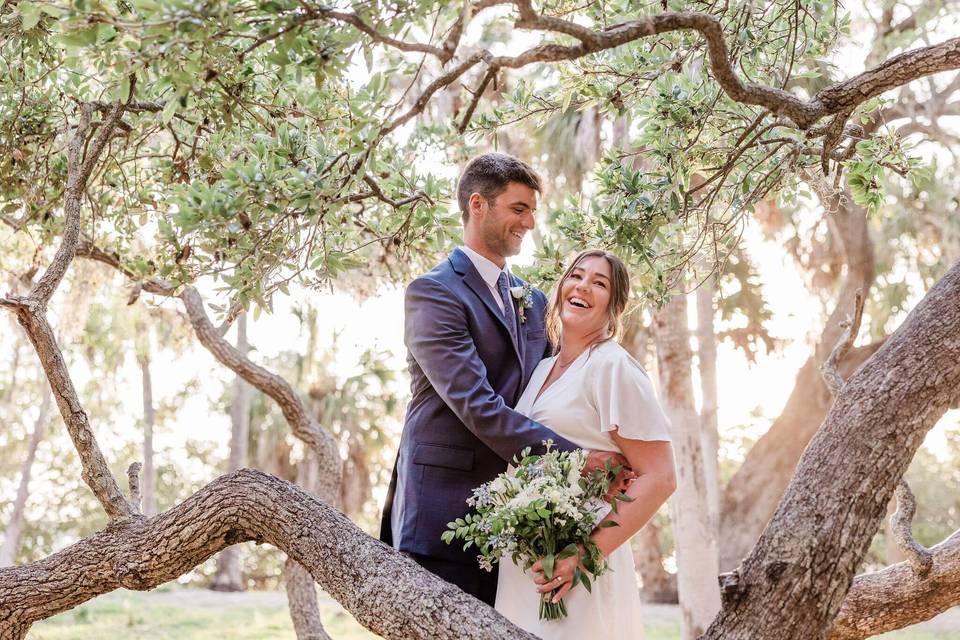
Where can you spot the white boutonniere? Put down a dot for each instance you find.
(524, 297)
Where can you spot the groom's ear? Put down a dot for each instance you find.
(477, 204)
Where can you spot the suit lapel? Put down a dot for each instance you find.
(471, 277)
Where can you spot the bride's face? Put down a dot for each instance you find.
(585, 296)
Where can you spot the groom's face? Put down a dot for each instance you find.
(506, 220)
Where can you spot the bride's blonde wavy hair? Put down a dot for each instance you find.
(619, 295)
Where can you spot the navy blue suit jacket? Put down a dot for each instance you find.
(466, 374)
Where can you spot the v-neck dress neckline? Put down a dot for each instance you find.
(541, 374)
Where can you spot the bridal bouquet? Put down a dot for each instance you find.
(544, 508)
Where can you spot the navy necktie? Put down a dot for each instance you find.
(508, 313)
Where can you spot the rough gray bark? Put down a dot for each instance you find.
(228, 576)
(793, 583)
(11, 538)
(898, 597)
(302, 602)
(752, 494)
(149, 421)
(385, 591)
(301, 590)
(693, 531)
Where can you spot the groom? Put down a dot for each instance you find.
(470, 357)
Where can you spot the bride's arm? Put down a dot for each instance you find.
(656, 480)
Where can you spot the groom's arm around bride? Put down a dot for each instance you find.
(469, 356)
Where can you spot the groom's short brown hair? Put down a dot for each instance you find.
(489, 176)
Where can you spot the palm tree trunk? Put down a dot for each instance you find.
(11, 539)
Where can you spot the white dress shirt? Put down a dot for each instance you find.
(489, 271)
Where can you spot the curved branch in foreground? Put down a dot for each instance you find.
(898, 597)
(301, 423)
(385, 591)
(918, 557)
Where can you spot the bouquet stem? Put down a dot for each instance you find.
(550, 610)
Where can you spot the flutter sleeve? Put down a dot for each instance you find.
(624, 398)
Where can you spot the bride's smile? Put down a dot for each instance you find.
(586, 297)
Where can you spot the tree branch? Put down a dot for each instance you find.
(302, 424)
(385, 591)
(31, 313)
(918, 557)
(851, 327)
(898, 596)
(133, 482)
(838, 98)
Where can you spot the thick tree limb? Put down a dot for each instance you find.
(898, 596)
(793, 583)
(752, 494)
(838, 98)
(385, 591)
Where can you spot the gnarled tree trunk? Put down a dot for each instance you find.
(793, 583)
(693, 532)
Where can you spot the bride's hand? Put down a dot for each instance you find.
(562, 576)
(597, 460)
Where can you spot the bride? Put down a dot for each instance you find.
(596, 395)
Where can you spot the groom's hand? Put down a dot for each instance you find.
(597, 461)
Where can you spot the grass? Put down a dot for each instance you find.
(188, 615)
(192, 614)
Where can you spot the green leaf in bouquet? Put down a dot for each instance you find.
(606, 524)
(583, 579)
(568, 551)
(447, 536)
(548, 563)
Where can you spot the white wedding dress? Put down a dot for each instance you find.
(604, 387)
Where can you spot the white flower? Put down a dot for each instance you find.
(516, 292)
